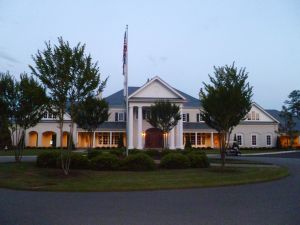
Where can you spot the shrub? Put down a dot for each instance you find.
(134, 151)
(48, 159)
(153, 153)
(117, 152)
(105, 162)
(138, 162)
(79, 161)
(198, 160)
(175, 161)
(93, 153)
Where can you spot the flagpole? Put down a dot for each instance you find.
(126, 86)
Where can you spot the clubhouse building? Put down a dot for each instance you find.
(258, 129)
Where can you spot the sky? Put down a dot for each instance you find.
(179, 41)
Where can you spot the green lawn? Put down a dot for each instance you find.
(28, 152)
(28, 177)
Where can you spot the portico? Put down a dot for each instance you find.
(138, 127)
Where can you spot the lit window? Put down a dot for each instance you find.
(201, 139)
(268, 140)
(253, 140)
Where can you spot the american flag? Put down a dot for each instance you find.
(125, 52)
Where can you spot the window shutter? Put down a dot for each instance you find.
(187, 117)
(116, 117)
(125, 117)
(198, 117)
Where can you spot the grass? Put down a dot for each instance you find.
(237, 161)
(30, 152)
(26, 176)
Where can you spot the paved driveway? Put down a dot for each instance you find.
(276, 202)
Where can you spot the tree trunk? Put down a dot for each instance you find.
(222, 140)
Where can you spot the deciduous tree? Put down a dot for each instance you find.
(226, 100)
(70, 77)
(90, 113)
(26, 101)
(165, 116)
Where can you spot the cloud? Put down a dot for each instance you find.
(4, 55)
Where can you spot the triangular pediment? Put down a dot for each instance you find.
(157, 89)
(257, 113)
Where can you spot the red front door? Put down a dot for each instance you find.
(154, 138)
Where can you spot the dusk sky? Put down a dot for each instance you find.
(180, 41)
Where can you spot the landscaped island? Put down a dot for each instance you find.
(109, 171)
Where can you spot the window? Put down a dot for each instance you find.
(115, 138)
(252, 115)
(269, 140)
(199, 117)
(257, 116)
(45, 115)
(186, 117)
(103, 138)
(50, 115)
(239, 139)
(119, 116)
(191, 137)
(249, 116)
(253, 140)
(54, 116)
(201, 139)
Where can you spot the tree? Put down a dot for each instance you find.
(164, 115)
(90, 114)
(226, 101)
(25, 102)
(293, 103)
(70, 77)
(288, 125)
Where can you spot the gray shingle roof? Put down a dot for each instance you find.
(117, 99)
(275, 113)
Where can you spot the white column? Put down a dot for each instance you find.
(110, 139)
(196, 142)
(179, 132)
(130, 128)
(139, 132)
(94, 139)
(212, 139)
(171, 139)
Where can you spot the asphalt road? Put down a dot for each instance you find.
(276, 202)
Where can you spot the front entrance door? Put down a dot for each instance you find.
(154, 138)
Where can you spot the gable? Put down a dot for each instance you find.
(156, 88)
(258, 114)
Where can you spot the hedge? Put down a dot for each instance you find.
(138, 162)
(175, 161)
